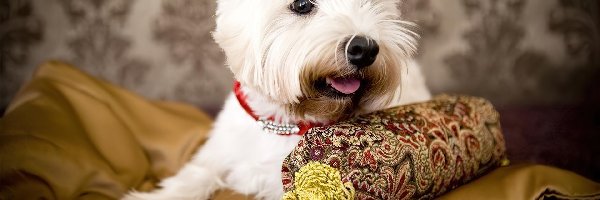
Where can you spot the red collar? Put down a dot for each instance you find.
(269, 124)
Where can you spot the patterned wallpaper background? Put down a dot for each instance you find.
(160, 49)
(513, 52)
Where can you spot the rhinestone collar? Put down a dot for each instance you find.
(269, 124)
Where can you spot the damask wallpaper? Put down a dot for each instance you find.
(160, 49)
(510, 51)
(513, 52)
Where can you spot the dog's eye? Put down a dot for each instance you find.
(302, 6)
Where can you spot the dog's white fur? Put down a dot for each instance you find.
(269, 48)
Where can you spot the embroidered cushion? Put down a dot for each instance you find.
(417, 151)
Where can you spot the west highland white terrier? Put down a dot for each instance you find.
(299, 64)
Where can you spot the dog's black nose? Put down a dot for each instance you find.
(362, 51)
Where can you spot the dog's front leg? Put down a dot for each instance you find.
(198, 179)
(193, 181)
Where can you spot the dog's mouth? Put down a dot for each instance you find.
(346, 86)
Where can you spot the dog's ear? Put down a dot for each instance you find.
(236, 24)
(230, 25)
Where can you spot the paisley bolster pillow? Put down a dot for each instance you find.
(416, 151)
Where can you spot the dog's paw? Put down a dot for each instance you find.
(145, 196)
(163, 195)
(260, 181)
(155, 195)
(191, 182)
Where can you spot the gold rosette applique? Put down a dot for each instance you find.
(319, 182)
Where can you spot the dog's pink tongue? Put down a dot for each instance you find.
(344, 85)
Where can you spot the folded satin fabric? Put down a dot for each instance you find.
(527, 181)
(70, 136)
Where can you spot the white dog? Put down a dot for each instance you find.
(299, 63)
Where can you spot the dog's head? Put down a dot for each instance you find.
(322, 59)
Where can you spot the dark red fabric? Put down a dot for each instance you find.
(563, 136)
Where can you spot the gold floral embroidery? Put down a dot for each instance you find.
(316, 181)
